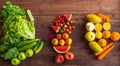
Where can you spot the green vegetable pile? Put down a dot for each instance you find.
(19, 33)
(16, 27)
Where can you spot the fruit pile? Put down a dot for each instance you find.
(63, 24)
(60, 39)
(98, 34)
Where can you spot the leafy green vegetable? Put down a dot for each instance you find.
(16, 28)
(30, 15)
(11, 53)
(4, 47)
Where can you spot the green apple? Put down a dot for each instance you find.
(90, 36)
(22, 56)
(15, 61)
(29, 53)
(98, 34)
(90, 26)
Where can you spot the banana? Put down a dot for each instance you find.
(38, 47)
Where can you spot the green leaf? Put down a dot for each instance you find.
(15, 25)
(30, 15)
(13, 52)
(4, 47)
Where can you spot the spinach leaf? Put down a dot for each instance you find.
(4, 47)
(13, 52)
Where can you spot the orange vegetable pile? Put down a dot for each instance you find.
(104, 17)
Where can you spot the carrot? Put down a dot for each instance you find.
(100, 14)
(107, 19)
(101, 56)
(104, 48)
(104, 17)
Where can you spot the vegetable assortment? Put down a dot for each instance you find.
(16, 27)
(19, 33)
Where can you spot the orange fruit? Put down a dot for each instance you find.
(106, 34)
(115, 36)
(106, 26)
(54, 41)
(59, 36)
(102, 42)
(98, 27)
(65, 35)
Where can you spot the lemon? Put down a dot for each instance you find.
(98, 34)
(98, 27)
(106, 26)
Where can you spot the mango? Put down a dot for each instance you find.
(68, 41)
(95, 46)
(93, 18)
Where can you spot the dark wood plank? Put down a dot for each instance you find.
(45, 11)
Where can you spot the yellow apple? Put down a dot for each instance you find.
(90, 36)
(62, 42)
(54, 41)
(68, 41)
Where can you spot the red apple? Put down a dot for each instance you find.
(59, 58)
(69, 56)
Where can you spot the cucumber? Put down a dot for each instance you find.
(38, 47)
(27, 46)
(26, 42)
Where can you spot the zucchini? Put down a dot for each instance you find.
(27, 46)
(26, 42)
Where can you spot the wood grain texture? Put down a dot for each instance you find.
(45, 11)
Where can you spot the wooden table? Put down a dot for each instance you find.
(45, 11)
